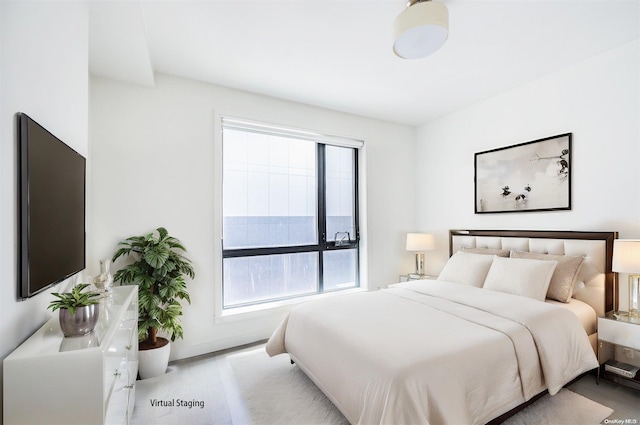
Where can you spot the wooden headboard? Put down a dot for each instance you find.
(598, 283)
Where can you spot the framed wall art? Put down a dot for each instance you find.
(530, 176)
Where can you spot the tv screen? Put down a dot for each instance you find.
(52, 208)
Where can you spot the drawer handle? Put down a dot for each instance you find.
(130, 387)
(117, 373)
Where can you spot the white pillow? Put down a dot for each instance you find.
(519, 276)
(466, 268)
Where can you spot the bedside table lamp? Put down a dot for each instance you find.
(626, 259)
(420, 242)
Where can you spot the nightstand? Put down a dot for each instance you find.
(413, 276)
(619, 349)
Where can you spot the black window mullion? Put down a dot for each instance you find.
(252, 252)
(322, 214)
(356, 211)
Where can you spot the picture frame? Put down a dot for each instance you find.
(526, 177)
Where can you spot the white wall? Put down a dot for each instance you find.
(598, 100)
(154, 164)
(43, 72)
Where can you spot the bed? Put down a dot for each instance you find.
(474, 345)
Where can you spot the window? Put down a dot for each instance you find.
(290, 213)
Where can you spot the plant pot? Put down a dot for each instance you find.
(81, 323)
(154, 361)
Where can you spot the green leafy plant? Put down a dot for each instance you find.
(74, 299)
(159, 270)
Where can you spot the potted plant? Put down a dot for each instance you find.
(159, 269)
(78, 313)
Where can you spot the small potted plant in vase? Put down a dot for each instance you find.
(78, 312)
(159, 269)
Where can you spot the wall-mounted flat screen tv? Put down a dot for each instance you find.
(51, 209)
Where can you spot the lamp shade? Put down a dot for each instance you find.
(420, 29)
(420, 242)
(626, 256)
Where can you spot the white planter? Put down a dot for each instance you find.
(153, 362)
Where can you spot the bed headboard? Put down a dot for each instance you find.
(597, 282)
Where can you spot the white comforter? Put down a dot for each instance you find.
(433, 352)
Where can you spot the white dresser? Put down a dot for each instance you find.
(50, 379)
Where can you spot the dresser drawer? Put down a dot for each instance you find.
(619, 333)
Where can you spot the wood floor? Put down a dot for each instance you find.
(203, 391)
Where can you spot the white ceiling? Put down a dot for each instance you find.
(337, 53)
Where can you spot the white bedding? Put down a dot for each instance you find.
(433, 352)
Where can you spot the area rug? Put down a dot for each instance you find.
(276, 393)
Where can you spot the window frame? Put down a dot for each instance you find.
(323, 244)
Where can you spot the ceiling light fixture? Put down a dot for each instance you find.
(421, 29)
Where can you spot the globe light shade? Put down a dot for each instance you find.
(420, 30)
